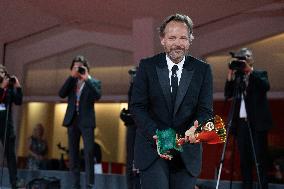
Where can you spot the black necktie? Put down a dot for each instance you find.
(174, 83)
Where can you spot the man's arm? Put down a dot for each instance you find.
(205, 99)
(204, 105)
(139, 105)
(95, 86)
(261, 80)
(67, 87)
(229, 85)
(18, 96)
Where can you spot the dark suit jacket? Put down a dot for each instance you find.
(11, 96)
(257, 105)
(151, 107)
(90, 92)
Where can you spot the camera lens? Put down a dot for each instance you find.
(81, 70)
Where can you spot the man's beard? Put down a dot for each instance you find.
(176, 54)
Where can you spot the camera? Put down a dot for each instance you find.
(241, 57)
(239, 61)
(132, 71)
(126, 117)
(238, 65)
(12, 79)
(81, 70)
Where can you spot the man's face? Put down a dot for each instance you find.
(77, 65)
(2, 73)
(176, 40)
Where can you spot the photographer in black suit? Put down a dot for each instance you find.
(82, 91)
(132, 174)
(251, 110)
(10, 93)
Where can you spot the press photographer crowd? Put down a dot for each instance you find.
(169, 116)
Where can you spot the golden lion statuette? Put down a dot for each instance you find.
(211, 132)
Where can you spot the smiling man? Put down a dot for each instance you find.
(171, 90)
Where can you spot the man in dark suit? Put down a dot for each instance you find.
(82, 91)
(251, 111)
(10, 93)
(171, 90)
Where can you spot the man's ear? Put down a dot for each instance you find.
(162, 39)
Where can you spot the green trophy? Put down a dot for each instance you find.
(167, 141)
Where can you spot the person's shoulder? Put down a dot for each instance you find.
(196, 61)
(95, 80)
(259, 71)
(153, 59)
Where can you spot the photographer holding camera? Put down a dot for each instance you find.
(249, 88)
(10, 92)
(132, 174)
(82, 91)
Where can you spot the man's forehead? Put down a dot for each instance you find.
(78, 63)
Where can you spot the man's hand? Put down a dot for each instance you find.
(17, 83)
(248, 69)
(164, 156)
(189, 134)
(5, 83)
(74, 72)
(230, 75)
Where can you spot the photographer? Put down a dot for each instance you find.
(249, 88)
(82, 91)
(132, 174)
(10, 92)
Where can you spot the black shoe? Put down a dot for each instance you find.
(90, 186)
(76, 187)
(19, 184)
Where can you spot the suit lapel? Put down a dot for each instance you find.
(185, 80)
(164, 80)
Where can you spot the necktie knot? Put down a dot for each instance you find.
(174, 69)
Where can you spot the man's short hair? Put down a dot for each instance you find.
(177, 18)
(82, 59)
(247, 53)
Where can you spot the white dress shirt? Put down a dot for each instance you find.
(179, 71)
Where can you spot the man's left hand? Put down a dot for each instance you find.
(17, 83)
(190, 133)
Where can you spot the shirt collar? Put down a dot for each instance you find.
(171, 64)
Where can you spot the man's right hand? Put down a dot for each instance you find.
(164, 156)
(230, 75)
(5, 83)
(74, 72)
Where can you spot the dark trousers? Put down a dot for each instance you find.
(74, 133)
(164, 174)
(132, 176)
(10, 151)
(246, 154)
